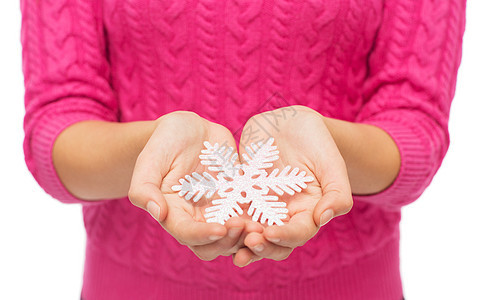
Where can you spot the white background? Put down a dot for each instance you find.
(42, 241)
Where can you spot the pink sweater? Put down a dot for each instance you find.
(389, 63)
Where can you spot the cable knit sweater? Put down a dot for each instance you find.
(389, 63)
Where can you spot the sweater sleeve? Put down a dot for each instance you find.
(408, 92)
(66, 80)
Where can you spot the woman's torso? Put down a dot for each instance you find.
(228, 60)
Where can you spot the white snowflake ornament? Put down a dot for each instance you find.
(247, 183)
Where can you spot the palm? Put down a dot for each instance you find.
(184, 150)
(300, 205)
(187, 163)
(170, 154)
(304, 142)
(295, 144)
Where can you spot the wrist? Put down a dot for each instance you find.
(95, 159)
(342, 132)
(144, 130)
(370, 154)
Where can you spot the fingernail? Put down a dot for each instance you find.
(326, 216)
(215, 237)
(259, 248)
(233, 232)
(153, 209)
(274, 240)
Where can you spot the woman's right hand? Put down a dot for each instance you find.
(171, 153)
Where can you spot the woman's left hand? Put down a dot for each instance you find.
(303, 141)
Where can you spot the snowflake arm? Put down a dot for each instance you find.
(222, 210)
(269, 209)
(219, 159)
(284, 182)
(196, 185)
(262, 155)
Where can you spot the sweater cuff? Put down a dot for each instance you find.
(416, 166)
(40, 161)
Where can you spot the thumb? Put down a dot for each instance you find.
(333, 203)
(148, 197)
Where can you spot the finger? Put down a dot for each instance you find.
(252, 226)
(234, 227)
(265, 249)
(227, 244)
(296, 233)
(148, 197)
(187, 231)
(235, 235)
(334, 202)
(244, 257)
(249, 226)
(336, 191)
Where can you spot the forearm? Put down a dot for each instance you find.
(371, 155)
(95, 159)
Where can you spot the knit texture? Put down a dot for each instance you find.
(389, 63)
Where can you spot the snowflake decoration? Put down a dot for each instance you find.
(243, 183)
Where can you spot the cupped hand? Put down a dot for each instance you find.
(171, 152)
(303, 141)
